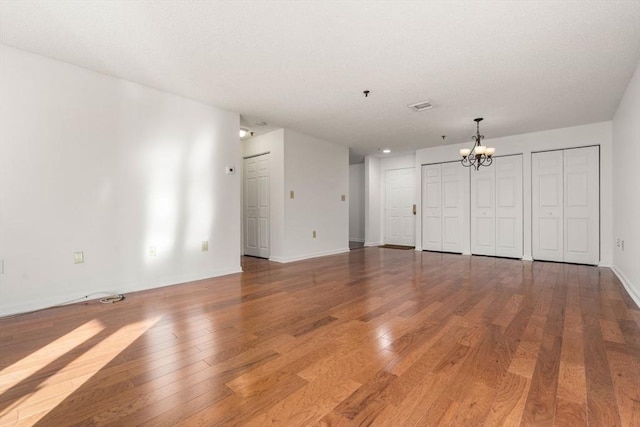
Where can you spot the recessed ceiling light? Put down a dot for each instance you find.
(386, 151)
(421, 106)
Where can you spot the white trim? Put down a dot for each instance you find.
(635, 296)
(373, 243)
(527, 258)
(308, 256)
(356, 239)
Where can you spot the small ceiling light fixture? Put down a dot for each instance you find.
(479, 155)
(386, 151)
(243, 132)
(261, 124)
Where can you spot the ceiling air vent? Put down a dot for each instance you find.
(421, 106)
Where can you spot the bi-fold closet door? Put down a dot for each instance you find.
(496, 208)
(566, 205)
(444, 188)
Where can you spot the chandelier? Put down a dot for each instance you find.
(479, 155)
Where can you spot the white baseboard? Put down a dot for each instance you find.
(527, 258)
(633, 291)
(64, 299)
(356, 239)
(372, 243)
(308, 256)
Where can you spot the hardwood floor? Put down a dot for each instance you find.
(371, 337)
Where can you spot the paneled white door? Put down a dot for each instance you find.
(496, 208)
(399, 216)
(483, 220)
(454, 190)
(432, 207)
(566, 205)
(547, 205)
(256, 206)
(509, 206)
(582, 205)
(444, 189)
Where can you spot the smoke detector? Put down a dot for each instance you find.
(421, 106)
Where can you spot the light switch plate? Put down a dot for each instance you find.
(205, 245)
(152, 251)
(315, 234)
(291, 194)
(343, 197)
(78, 257)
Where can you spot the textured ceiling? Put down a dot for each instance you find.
(523, 65)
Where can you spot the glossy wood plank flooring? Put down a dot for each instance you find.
(371, 337)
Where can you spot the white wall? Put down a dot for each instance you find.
(525, 144)
(626, 191)
(372, 217)
(272, 143)
(356, 202)
(317, 171)
(96, 164)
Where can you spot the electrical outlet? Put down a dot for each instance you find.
(291, 194)
(315, 234)
(78, 257)
(343, 197)
(622, 245)
(205, 245)
(152, 251)
(618, 243)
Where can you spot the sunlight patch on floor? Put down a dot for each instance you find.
(58, 385)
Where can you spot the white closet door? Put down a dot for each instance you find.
(400, 220)
(508, 172)
(483, 211)
(453, 193)
(582, 205)
(547, 206)
(432, 207)
(256, 206)
(263, 205)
